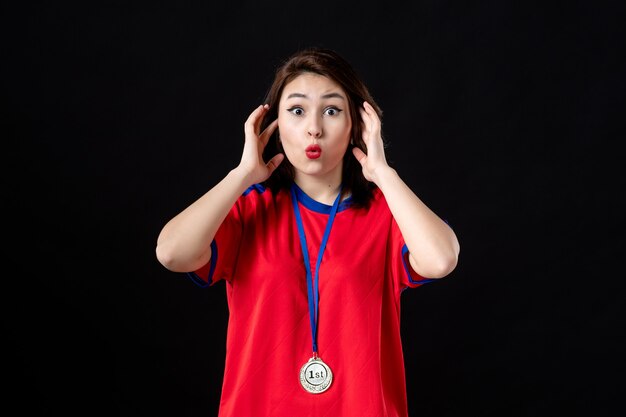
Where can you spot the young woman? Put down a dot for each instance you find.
(315, 236)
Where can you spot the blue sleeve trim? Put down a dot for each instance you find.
(199, 281)
(258, 187)
(405, 250)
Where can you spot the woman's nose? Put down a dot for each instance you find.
(315, 129)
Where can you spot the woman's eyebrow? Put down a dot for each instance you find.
(329, 95)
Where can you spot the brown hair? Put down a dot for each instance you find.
(330, 64)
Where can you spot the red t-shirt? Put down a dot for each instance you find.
(362, 274)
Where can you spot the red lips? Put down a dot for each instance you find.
(313, 151)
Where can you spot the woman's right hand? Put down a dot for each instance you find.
(252, 164)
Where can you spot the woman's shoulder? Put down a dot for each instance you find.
(258, 196)
(255, 189)
(374, 203)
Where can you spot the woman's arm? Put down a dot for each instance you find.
(433, 245)
(184, 242)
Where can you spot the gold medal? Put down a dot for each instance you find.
(315, 376)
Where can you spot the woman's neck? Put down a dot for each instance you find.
(322, 190)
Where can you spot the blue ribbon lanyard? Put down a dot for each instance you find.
(313, 283)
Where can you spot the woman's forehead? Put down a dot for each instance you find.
(312, 86)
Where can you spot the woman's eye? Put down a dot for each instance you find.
(299, 111)
(332, 111)
(296, 110)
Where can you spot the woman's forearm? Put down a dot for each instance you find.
(432, 244)
(184, 243)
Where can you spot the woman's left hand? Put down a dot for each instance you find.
(374, 161)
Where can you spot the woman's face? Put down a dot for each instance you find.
(314, 125)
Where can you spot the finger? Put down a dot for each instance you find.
(359, 155)
(366, 132)
(251, 122)
(273, 163)
(267, 133)
(367, 110)
(371, 124)
(371, 112)
(367, 118)
(370, 109)
(259, 119)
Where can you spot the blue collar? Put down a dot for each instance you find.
(316, 206)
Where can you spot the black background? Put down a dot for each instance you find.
(502, 116)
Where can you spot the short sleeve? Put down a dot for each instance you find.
(224, 251)
(405, 276)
